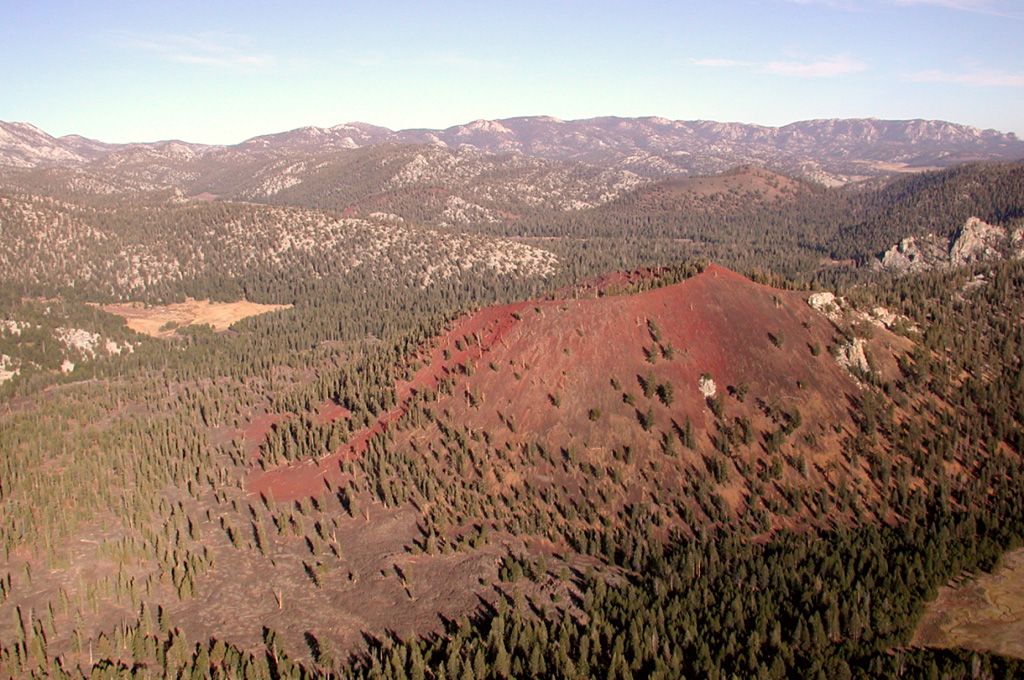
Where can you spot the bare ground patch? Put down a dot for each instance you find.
(984, 614)
(161, 321)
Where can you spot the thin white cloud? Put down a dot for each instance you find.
(845, 4)
(974, 78)
(827, 68)
(966, 5)
(220, 50)
(1004, 8)
(443, 60)
(722, 63)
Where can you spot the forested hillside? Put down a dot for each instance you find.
(831, 590)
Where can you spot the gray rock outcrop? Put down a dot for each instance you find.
(976, 241)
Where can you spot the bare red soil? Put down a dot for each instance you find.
(487, 327)
(255, 433)
(545, 369)
(330, 411)
(605, 284)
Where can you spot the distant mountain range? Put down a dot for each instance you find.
(831, 151)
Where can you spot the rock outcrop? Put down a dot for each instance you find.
(826, 303)
(851, 356)
(979, 242)
(976, 241)
(914, 254)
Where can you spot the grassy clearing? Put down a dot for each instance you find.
(161, 321)
(983, 614)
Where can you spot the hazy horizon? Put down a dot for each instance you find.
(221, 73)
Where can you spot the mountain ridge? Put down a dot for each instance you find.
(830, 150)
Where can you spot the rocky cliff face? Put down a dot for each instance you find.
(980, 242)
(977, 241)
(916, 254)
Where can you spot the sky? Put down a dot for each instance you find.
(220, 71)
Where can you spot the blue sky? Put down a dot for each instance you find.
(223, 71)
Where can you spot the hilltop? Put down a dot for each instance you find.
(713, 375)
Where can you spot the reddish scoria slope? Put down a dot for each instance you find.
(572, 373)
(717, 323)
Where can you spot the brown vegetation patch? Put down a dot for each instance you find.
(373, 587)
(162, 320)
(985, 614)
(744, 182)
(896, 167)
